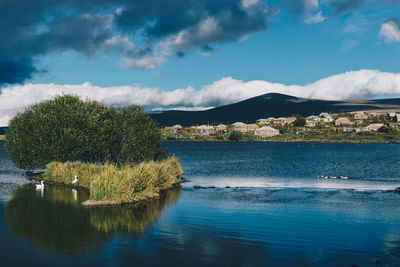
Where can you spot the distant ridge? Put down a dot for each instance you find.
(269, 105)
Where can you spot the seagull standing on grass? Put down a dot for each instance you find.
(75, 180)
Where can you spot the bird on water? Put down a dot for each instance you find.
(40, 186)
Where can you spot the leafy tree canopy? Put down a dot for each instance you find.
(249, 136)
(67, 128)
(235, 136)
(384, 129)
(299, 122)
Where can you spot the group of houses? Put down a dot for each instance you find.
(206, 130)
(357, 122)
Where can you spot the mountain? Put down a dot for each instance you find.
(269, 105)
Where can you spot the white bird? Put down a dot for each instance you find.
(75, 180)
(40, 186)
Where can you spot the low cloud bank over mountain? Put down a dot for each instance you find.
(362, 84)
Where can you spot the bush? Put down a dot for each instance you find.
(249, 136)
(220, 136)
(235, 136)
(384, 129)
(69, 129)
(299, 122)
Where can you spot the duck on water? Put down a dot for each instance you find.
(332, 177)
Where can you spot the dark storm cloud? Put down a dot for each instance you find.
(29, 29)
(16, 71)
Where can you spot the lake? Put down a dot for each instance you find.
(276, 211)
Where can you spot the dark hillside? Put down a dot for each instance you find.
(269, 105)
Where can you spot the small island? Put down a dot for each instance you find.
(114, 153)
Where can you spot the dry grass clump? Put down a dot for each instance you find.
(65, 172)
(118, 183)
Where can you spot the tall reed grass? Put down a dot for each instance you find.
(114, 183)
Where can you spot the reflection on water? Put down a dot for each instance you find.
(54, 219)
(131, 218)
(281, 214)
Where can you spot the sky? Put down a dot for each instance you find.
(196, 54)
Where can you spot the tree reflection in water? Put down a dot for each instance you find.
(56, 220)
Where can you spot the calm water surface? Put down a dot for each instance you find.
(275, 213)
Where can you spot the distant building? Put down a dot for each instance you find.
(266, 131)
(173, 129)
(220, 128)
(205, 130)
(311, 123)
(239, 126)
(281, 121)
(263, 122)
(342, 121)
(316, 119)
(373, 127)
(326, 117)
(328, 120)
(252, 127)
(360, 116)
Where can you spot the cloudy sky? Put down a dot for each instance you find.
(196, 54)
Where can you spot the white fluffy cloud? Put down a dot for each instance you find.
(390, 31)
(350, 85)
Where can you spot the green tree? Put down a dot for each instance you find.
(67, 128)
(384, 129)
(236, 136)
(299, 122)
(219, 136)
(249, 136)
(139, 138)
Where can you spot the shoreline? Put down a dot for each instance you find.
(290, 141)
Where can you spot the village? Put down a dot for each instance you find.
(362, 123)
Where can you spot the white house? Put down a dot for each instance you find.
(205, 130)
(239, 126)
(342, 121)
(373, 127)
(266, 131)
(360, 116)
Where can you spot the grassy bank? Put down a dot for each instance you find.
(341, 137)
(122, 184)
(315, 137)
